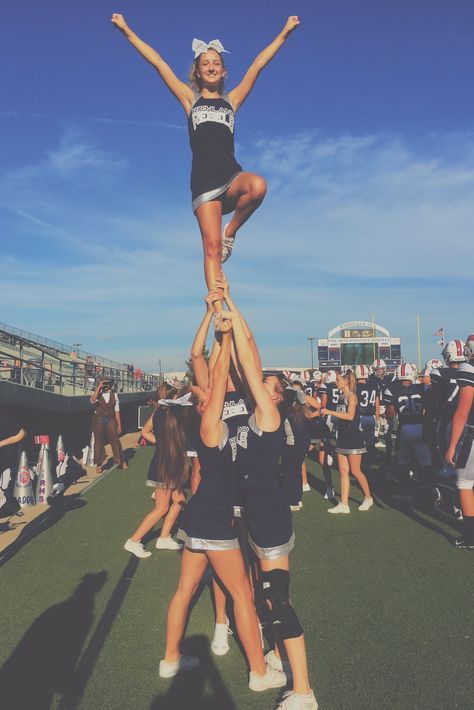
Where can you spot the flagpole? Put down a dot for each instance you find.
(419, 342)
(373, 332)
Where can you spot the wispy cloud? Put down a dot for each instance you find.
(352, 225)
(131, 122)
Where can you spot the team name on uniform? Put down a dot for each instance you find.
(202, 114)
(233, 409)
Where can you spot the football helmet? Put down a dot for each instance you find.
(330, 376)
(454, 352)
(361, 372)
(433, 364)
(405, 371)
(317, 376)
(378, 364)
(469, 347)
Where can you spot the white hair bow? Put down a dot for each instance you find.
(199, 47)
(180, 402)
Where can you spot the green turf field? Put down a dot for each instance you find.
(385, 600)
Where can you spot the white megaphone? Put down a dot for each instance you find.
(44, 484)
(90, 454)
(23, 489)
(62, 458)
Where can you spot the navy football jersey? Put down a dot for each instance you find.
(367, 393)
(321, 391)
(466, 379)
(381, 383)
(408, 401)
(333, 396)
(445, 392)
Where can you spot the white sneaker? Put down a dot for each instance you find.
(227, 246)
(184, 663)
(220, 640)
(339, 508)
(306, 488)
(136, 548)
(330, 460)
(276, 664)
(297, 701)
(367, 504)
(271, 679)
(272, 661)
(167, 543)
(330, 493)
(294, 508)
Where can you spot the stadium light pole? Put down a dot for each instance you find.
(311, 339)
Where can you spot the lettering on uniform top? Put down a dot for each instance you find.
(202, 114)
(242, 435)
(233, 448)
(233, 409)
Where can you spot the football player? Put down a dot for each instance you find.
(368, 407)
(460, 453)
(382, 379)
(406, 397)
(328, 394)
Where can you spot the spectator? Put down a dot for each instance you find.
(107, 425)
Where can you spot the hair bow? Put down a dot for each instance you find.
(199, 47)
(180, 402)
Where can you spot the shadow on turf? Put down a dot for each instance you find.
(43, 663)
(202, 688)
(74, 690)
(46, 520)
(383, 485)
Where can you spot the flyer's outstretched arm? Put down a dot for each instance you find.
(238, 95)
(177, 87)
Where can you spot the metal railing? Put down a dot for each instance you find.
(33, 364)
(54, 347)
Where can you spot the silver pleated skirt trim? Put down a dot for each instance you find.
(198, 543)
(212, 194)
(158, 484)
(272, 553)
(348, 452)
(316, 441)
(192, 454)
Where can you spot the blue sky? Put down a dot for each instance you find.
(362, 126)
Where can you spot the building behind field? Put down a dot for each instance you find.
(358, 343)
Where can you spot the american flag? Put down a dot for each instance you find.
(440, 333)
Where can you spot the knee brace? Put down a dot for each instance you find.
(276, 592)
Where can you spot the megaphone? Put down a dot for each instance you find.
(23, 489)
(44, 484)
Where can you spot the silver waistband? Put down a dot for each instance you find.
(272, 553)
(158, 484)
(349, 452)
(199, 543)
(212, 194)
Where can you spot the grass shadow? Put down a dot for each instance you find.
(202, 688)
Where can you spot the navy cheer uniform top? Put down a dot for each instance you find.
(211, 136)
(349, 439)
(266, 512)
(207, 520)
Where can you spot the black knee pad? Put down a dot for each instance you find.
(276, 590)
